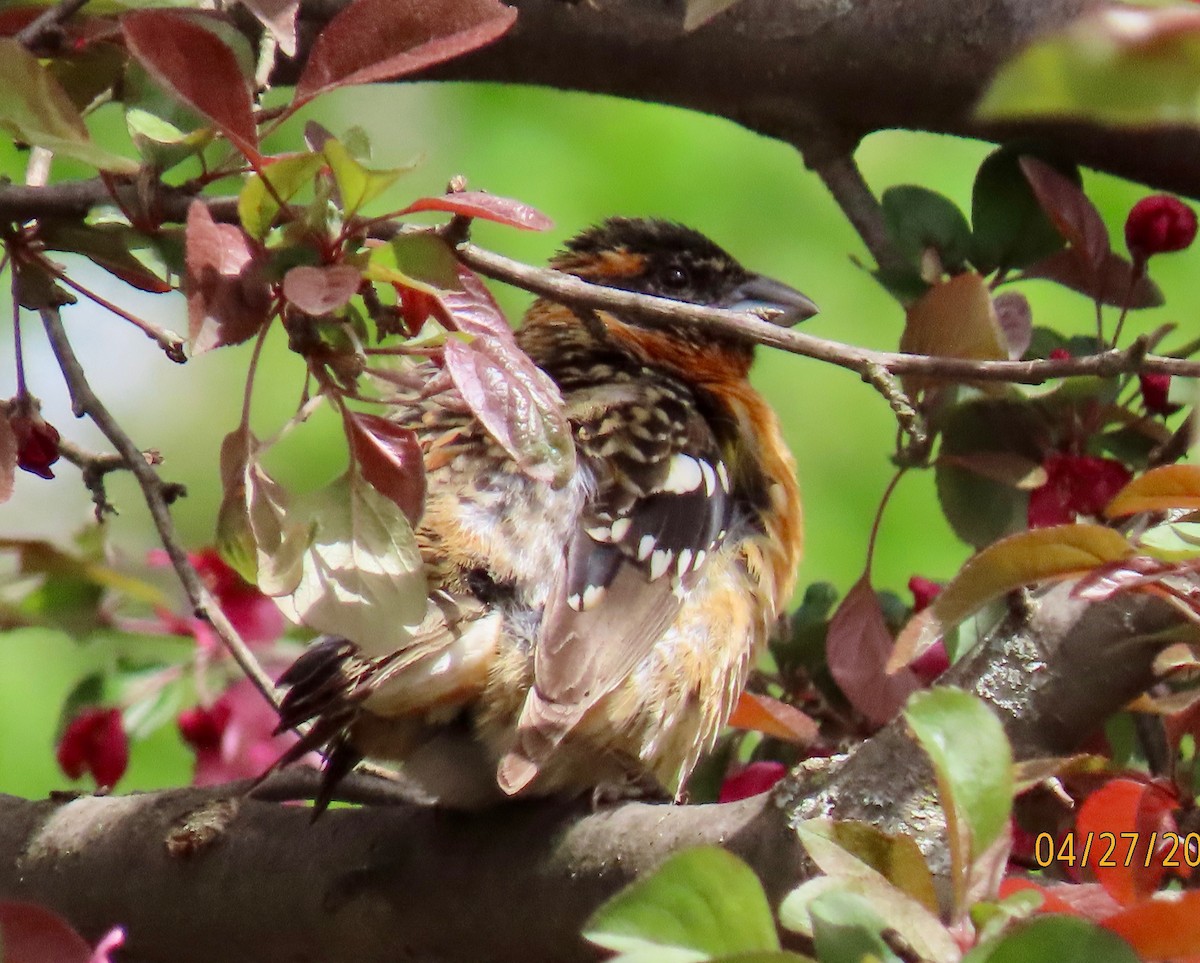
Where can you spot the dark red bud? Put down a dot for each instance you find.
(202, 728)
(1075, 485)
(1155, 390)
(924, 591)
(37, 440)
(95, 741)
(750, 780)
(1157, 224)
(1060, 354)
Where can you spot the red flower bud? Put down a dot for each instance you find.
(1060, 354)
(202, 728)
(750, 780)
(931, 663)
(1155, 389)
(924, 592)
(37, 439)
(1075, 485)
(95, 742)
(1159, 223)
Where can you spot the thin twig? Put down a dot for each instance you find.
(93, 467)
(158, 495)
(840, 174)
(48, 22)
(574, 291)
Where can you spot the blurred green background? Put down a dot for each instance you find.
(578, 158)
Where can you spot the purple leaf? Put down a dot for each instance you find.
(201, 70)
(319, 290)
(503, 210)
(1075, 217)
(376, 40)
(228, 299)
(1107, 284)
(389, 457)
(857, 649)
(1016, 321)
(472, 309)
(279, 17)
(516, 402)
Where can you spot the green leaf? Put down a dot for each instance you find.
(35, 109)
(973, 762)
(257, 208)
(847, 930)
(362, 575)
(700, 904)
(914, 919)
(427, 259)
(356, 184)
(165, 131)
(1117, 66)
(1054, 939)
(1172, 541)
(918, 219)
(1011, 230)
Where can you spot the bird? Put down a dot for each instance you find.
(592, 636)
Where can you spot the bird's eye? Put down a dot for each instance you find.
(675, 278)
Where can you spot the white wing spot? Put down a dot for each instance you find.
(683, 476)
(645, 547)
(591, 595)
(710, 478)
(700, 557)
(685, 561)
(620, 528)
(601, 533)
(576, 602)
(660, 561)
(723, 475)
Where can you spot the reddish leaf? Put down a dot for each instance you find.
(516, 402)
(107, 245)
(1159, 490)
(8, 459)
(1069, 209)
(1107, 580)
(751, 780)
(228, 299)
(503, 210)
(1088, 900)
(1108, 284)
(198, 68)
(319, 290)
(375, 40)
(1161, 929)
(857, 648)
(1145, 812)
(761, 713)
(389, 457)
(472, 309)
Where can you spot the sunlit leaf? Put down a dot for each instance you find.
(471, 306)
(1042, 554)
(194, 64)
(490, 207)
(35, 109)
(973, 762)
(357, 185)
(375, 40)
(1158, 490)
(846, 929)
(914, 919)
(257, 206)
(1117, 66)
(320, 290)
(954, 319)
(857, 648)
(227, 295)
(1172, 541)
(363, 576)
(701, 903)
(761, 713)
(389, 457)
(516, 402)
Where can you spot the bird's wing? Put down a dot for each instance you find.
(662, 505)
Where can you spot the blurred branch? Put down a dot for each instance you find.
(158, 495)
(45, 26)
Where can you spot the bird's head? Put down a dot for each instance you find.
(669, 260)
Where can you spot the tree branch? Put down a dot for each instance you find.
(158, 495)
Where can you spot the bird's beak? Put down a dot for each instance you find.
(770, 300)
